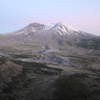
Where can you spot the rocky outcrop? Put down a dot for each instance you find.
(4, 56)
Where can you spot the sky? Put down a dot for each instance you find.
(82, 14)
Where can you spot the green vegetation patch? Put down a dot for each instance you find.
(34, 65)
(2, 61)
(69, 43)
(90, 44)
(71, 88)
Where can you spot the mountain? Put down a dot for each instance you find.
(46, 33)
(50, 43)
(59, 29)
(62, 50)
(54, 35)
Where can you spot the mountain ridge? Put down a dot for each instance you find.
(58, 36)
(36, 27)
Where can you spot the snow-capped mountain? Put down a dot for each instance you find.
(47, 33)
(59, 28)
(54, 35)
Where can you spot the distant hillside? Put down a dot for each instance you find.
(7, 71)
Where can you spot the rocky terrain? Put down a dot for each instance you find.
(48, 42)
(35, 56)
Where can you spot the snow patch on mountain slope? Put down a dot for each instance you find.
(48, 26)
(65, 28)
(60, 26)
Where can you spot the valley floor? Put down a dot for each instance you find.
(36, 81)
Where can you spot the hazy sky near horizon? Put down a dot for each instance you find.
(82, 14)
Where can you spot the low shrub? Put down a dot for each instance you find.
(70, 88)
